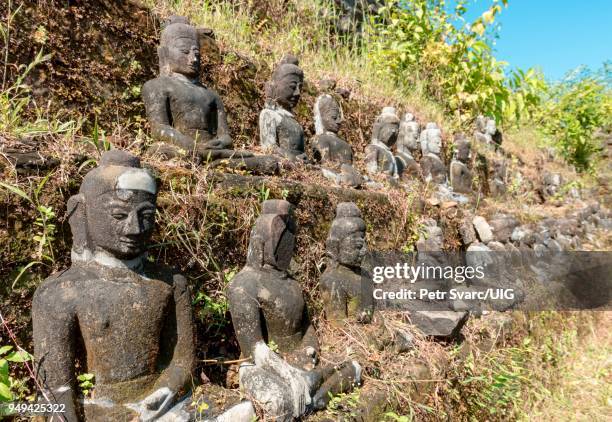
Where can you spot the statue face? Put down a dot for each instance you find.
(121, 222)
(331, 118)
(184, 56)
(352, 249)
(388, 133)
(288, 91)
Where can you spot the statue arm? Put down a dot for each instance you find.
(54, 331)
(371, 160)
(156, 102)
(268, 122)
(245, 312)
(177, 375)
(223, 139)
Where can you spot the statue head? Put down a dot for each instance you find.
(179, 50)
(286, 84)
(273, 236)
(327, 114)
(462, 148)
(486, 125)
(386, 127)
(114, 211)
(345, 243)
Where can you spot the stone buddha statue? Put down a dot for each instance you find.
(335, 154)
(407, 146)
(268, 308)
(379, 157)
(113, 313)
(279, 131)
(432, 167)
(344, 295)
(187, 119)
(460, 174)
(487, 132)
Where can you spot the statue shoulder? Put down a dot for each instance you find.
(171, 276)
(157, 85)
(59, 289)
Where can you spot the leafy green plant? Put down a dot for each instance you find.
(8, 383)
(344, 404)
(45, 232)
(86, 382)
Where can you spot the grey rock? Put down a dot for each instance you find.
(467, 232)
(496, 246)
(483, 229)
(524, 235)
(503, 226)
(439, 323)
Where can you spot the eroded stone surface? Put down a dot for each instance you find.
(431, 140)
(483, 229)
(460, 177)
(439, 323)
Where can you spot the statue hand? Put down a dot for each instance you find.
(154, 405)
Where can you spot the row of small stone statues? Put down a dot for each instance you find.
(188, 119)
(117, 315)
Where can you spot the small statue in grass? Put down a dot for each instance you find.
(115, 314)
(279, 131)
(379, 157)
(344, 294)
(432, 167)
(335, 154)
(273, 326)
(407, 146)
(460, 174)
(187, 119)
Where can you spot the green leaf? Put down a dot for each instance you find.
(5, 392)
(19, 356)
(85, 377)
(5, 349)
(16, 191)
(4, 370)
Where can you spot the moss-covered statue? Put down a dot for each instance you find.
(267, 307)
(113, 313)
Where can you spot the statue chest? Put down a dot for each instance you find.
(193, 107)
(290, 134)
(282, 304)
(121, 323)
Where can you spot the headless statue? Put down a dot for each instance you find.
(335, 154)
(344, 295)
(459, 173)
(379, 157)
(267, 307)
(279, 131)
(132, 318)
(188, 119)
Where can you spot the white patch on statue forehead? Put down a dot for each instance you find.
(136, 179)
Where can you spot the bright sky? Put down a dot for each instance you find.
(554, 35)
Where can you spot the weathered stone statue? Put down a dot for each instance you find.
(268, 308)
(460, 174)
(341, 283)
(432, 166)
(279, 131)
(487, 132)
(188, 119)
(130, 318)
(407, 145)
(335, 154)
(379, 157)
